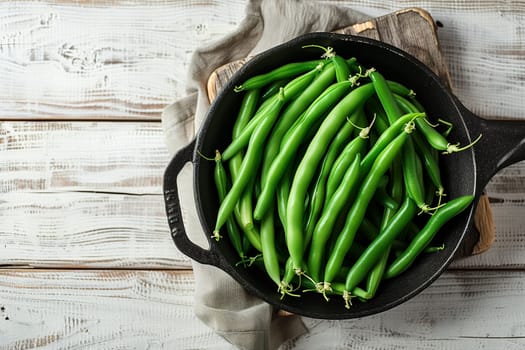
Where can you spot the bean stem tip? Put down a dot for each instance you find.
(453, 148)
(347, 298)
(216, 236)
(328, 51)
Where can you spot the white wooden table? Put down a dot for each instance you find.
(86, 257)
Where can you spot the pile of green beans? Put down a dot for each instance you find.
(333, 181)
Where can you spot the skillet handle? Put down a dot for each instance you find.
(502, 144)
(174, 213)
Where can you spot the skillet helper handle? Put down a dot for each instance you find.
(174, 213)
(502, 144)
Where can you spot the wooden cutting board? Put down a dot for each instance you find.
(414, 31)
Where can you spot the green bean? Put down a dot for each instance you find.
(386, 96)
(292, 142)
(243, 137)
(400, 89)
(430, 162)
(345, 158)
(272, 89)
(323, 228)
(357, 145)
(318, 193)
(358, 209)
(246, 111)
(286, 287)
(221, 182)
(281, 72)
(374, 252)
(244, 210)
(413, 176)
(286, 94)
(243, 213)
(428, 154)
(290, 114)
(375, 276)
(372, 283)
(434, 138)
(269, 253)
(283, 192)
(249, 164)
(397, 190)
(315, 204)
(386, 137)
(425, 236)
(406, 105)
(305, 170)
(342, 70)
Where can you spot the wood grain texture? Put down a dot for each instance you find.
(418, 38)
(86, 230)
(461, 310)
(413, 30)
(481, 44)
(108, 60)
(508, 247)
(84, 194)
(100, 310)
(88, 194)
(82, 156)
(125, 60)
(96, 230)
(153, 310)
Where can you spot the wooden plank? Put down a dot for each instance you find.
(82, 156)
(86, 230)
(417, 38)
(508, 247)
(461, 310)
(481, 46)
(103, 60)
(508, 184)
(506, 195)
(485, 59)
(140, 61)
(104, 230)
(153, 310)
(88, 194)
(84, 194)
(102, 310)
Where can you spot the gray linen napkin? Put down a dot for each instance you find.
(244, 320)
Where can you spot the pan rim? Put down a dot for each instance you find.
(201, 137)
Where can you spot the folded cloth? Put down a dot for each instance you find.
(242, 319)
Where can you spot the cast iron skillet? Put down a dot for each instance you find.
(467, 172)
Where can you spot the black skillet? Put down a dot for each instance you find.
(467, 172)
